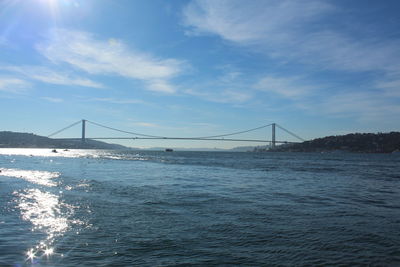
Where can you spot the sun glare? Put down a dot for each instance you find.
(31, 254)
(53, 6)
(49, 2)
(48, 251)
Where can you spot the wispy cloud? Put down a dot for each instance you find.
(390, 87)
(230, 76)
(252, 22)
(235, 96)
(223, 96)
(298, 32)
(84, 51)
(52, 99)
(146, 124)
(287, 30)
(48, 75)
(117, 101)
(338, 51)
(13, 85)
(158, 85)
(228, 86)
(369, 107)
(287, 87)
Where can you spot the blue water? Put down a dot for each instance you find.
(112, 208)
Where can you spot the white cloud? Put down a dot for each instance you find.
(235, 96)
(230, 76)
(224, 96)
(335, 50)
(13, 85)
(117, 101)
(160, 86)
(52, 99)
(85, 52)
(369, 107)
(47, 75)
(250, 22)
(299, 32)
(287, 87)
(287, 30)
(391, 87)
(146, 124)
(228, 86)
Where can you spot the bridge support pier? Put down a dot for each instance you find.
(83, 131)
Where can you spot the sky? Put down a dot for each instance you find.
(198, 68)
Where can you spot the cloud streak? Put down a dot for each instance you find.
(369, 107)
(286, 30)
(13, 85)
(254, 22)
(287, 87)
(52, 99)
(112, 57)
(299, 33)
(47, 75)
(117, 101)
(223, 96)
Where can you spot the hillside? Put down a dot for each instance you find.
(29, 140)
(358, 142)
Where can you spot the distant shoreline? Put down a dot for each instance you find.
(350, 143)
(29, 140)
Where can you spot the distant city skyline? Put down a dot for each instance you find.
(195, 68)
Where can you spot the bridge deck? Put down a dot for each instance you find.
(178, 138)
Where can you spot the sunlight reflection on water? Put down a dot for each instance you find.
(48, 214)
(36, 177)
(43, 208)
(71, 153)
(47, 152)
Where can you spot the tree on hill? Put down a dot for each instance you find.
(357, 142)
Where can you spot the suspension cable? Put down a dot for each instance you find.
(122, 131)
(63, 129)
(156, 136)
(164, 137)
(289, 132)
(246, 131)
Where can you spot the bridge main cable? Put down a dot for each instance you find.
(164, 137)
(289, 132)
(122, 131)
(63, 129)
(223, 135)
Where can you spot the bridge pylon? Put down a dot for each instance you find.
(273, 143)
(83, 131)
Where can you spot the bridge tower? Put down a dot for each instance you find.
(273, 135)
(83, 131)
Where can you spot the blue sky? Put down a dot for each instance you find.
(194, 68)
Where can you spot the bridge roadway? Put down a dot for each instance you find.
(180, 138)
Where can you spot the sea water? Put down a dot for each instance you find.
(137, 208)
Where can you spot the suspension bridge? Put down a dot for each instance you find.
(219, 137)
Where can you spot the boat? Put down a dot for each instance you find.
(54, 151)
(169, 150)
